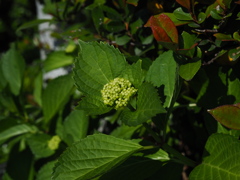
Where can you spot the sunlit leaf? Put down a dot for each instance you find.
(187, 71)
(148, 105)
(163, 72)
(228, 115)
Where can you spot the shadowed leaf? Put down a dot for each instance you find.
(228, 115)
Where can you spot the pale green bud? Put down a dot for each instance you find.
(118, 92)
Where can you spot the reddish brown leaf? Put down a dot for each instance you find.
(227, 115)
(185, 3)
(163, 28)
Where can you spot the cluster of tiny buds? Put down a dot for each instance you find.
(117, 92)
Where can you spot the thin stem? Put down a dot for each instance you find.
(183, 159)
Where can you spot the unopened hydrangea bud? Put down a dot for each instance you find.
(53, 143)
(117, 92)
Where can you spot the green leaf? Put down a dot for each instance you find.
(189, 44)
(37, 92)
(75, 126)
(163, 72)
(228, 115)
(93, 105)
(38, 144)
(133, 2)
(98, 17)
(125, 132)
(17, 130)
(201, 17)
(97, 64)
(55, 95)
(93, 156)
(138, 167)
(56, 60)
(33, 23)
(176, 21)
(223, 160)
(13, 66)
(46, 171)
(234, 54)
(148, 105)
(135, 74)
(188, 71)
(223, 37)
(3, 81)
(181, 15)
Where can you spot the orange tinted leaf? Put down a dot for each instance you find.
(185, 3)
(163, 28)
(227, 115)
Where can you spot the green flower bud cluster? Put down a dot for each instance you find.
(53, 143)
(117, 92)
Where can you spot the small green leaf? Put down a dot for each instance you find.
(13, 66)
(38, 144)
(201, 17)
(55, 96)
(133, 2)
(125, 132)
(46, 171)
(93, 105)
(135, 74)
(181, 15)
(148, 105)
(187, 71)
(234, 54)
(176, 21)
(188, 44)
(223, 160)
(75, 126)
(93, 156)
(223, 37)
(33, 23)
(56, 60)
(16, 130)
(228, 115)
(163, 72)
(97, 64)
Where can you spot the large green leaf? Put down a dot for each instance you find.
(13, 66)
(97, 64)
(148, 105)
(56, 60)
(17, 130)
(223, 160)
(138, 167)
(75, 126)
(46, 171)
(163, 72)
(228, 115)
(55, 95)
(93, 156)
